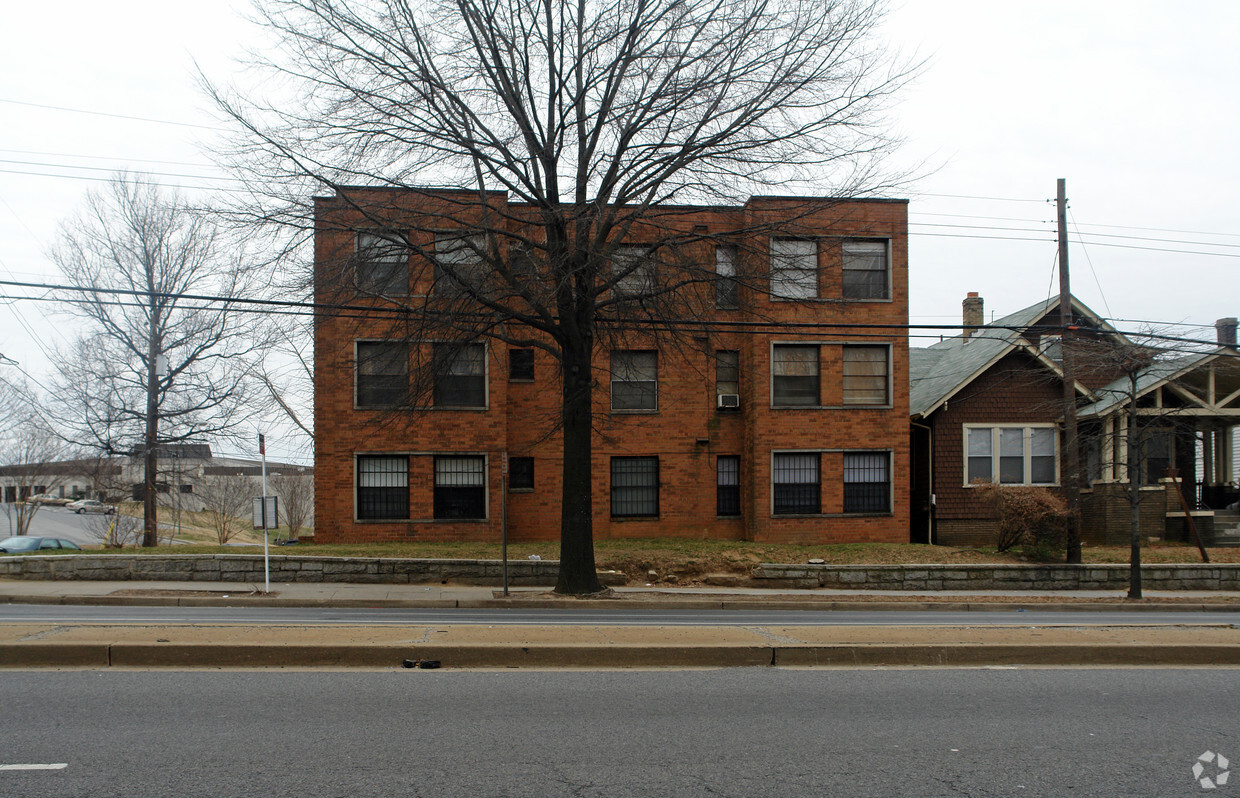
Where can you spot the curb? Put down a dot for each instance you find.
(206, 655)
(824, 605)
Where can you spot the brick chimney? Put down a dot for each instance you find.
(1226, 329)
(974, 314)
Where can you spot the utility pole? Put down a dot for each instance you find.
(1071, 467)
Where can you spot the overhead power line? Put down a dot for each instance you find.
(108, 114)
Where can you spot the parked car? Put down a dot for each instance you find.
(91, 506)
(29, 543)
(47, 498)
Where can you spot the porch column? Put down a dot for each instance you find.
(1209, 471)
(1107, 467)
(1122, 440)
(1227, 455)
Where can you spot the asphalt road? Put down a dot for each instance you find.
(742, 732)
(20, 613)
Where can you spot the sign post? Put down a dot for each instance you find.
(503, 524)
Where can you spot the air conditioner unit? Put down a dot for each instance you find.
(729, 400)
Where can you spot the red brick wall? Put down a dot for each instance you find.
(687, 432)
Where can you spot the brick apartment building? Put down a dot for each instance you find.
(783, 417)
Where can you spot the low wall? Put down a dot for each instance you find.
(284, 568)
(287, 568)
(997, 577)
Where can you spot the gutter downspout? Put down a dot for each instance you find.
(930, 476)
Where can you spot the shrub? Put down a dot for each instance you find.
(1034, 519)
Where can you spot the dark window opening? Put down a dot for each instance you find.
(382, 373)
(864, 273)
(727, 288)
(520, 364)
(728, 485)
(794, 376)
(382, 264)
(634, 380)
(521, 473)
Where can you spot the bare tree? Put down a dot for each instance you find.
(30, 457)
(166, 357)
(226, 499)
(600, 119)
(296, 494)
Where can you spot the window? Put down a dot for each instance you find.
(634, 380)
(864, 273)
(382, 373)
(187, 488)
(865, 375)
(460, 488)
(520, 473)
(520, 365)
(382, 487)
(382, 264)
(794, 376)
(1159, 445)
(634, 487)
(795, 480)
(459, 264)
(1011, 455)
(727, 290)
(460, 375)
(794, 268)
(867, 482)
(632, 268)
(728, 485)
(727, 373)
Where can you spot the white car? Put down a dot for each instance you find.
(91, 506)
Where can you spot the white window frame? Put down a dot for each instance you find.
(887, 400)
(1026, 454)
(615, 380)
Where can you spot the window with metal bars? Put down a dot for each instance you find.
(382, 373)
(865, 377)
(794, 376)
(728, 485)
(460, 375)
(634, 487)
(382, 264)
(864, 273)
(460, 488)
(867, 482)
(382, 487)
(796, 483)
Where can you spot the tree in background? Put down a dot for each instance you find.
(296, 493)
(30, 455)
(601, 117)
(154, 366)
(227, 500)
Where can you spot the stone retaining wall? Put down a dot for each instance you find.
(997, 577)
(287, 568)
(284, 568)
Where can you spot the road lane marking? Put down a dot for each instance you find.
(55, 766)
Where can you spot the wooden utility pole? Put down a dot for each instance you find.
(1070, 469)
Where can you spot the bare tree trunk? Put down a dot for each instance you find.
(150, 517)
(1134, 502)
(577, 571)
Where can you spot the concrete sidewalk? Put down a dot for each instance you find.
(220, 645)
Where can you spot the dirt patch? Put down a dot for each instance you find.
(168, 593)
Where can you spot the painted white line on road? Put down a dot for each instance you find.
(56, 766)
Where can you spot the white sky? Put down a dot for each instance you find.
(1134, 103)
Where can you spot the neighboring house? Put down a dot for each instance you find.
(988, 405)
(779, 433)
(186, 472)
